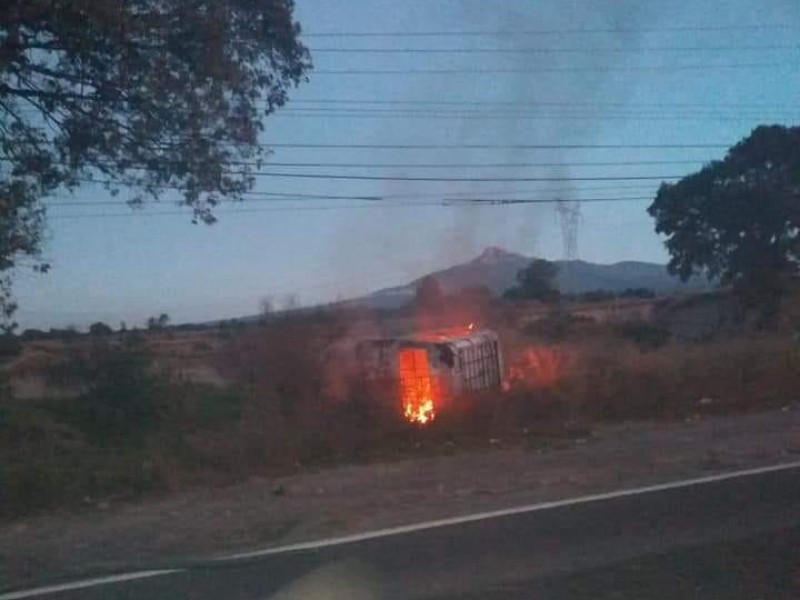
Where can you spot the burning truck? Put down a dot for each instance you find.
(426, 372)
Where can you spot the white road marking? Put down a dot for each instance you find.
(517, 510)
(86, 583)
(392, 531)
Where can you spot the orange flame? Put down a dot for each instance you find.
(421, 413)
(416, 386)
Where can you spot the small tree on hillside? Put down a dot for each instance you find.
(159, 322)
(535, 282)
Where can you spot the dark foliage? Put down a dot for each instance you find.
(10, 346)
(152, 95)
(535, 282)
(116, 405)
(100, 329)
(738, 220)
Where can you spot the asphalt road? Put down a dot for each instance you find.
(730, 539)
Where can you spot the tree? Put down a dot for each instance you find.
(165, 97)
(429, 294)
(10, 346)
(118, 402)
(32, 335)
(159, 322)
(100, 329)
(738, 220)
(67, 334)
(535, 282)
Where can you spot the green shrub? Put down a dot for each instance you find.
(116, 405)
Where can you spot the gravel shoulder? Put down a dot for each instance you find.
(348, 499)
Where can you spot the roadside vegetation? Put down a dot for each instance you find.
(119, 414)
(128, 422)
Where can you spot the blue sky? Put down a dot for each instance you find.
(627, 87)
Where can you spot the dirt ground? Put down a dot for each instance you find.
(348, 499)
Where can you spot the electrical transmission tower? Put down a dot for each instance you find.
(569, 217)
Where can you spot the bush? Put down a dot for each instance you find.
(45, 462)
(69, 334)
(10, 347)
(644, 334)
(34, 335)
(99, 329)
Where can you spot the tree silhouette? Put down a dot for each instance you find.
(535, 282)
(99, 329)
(165, 97)
(159, 322)
(738, 220)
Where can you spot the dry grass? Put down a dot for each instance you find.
(678, 380)
(271, 411)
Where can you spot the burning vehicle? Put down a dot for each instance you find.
(424, 373)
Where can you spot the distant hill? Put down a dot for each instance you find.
(496, 268)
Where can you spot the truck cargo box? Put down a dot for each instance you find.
(425, 373)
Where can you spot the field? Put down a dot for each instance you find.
(96, 421)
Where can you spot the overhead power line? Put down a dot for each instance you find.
(710, 106)
(616, 188)
(539, 70)
(510, 146)
(550, 31)
(337, 207)
(394, 165)
(555, 112)
(336, 176)
(287, 196)
(504, 165)
(617, 191)
(431, 146)
(561, 50)
(485, 116)
(471, 146)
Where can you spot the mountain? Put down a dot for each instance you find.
(496, 268)
(578, 276)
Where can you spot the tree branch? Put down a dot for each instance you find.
(7, 90)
